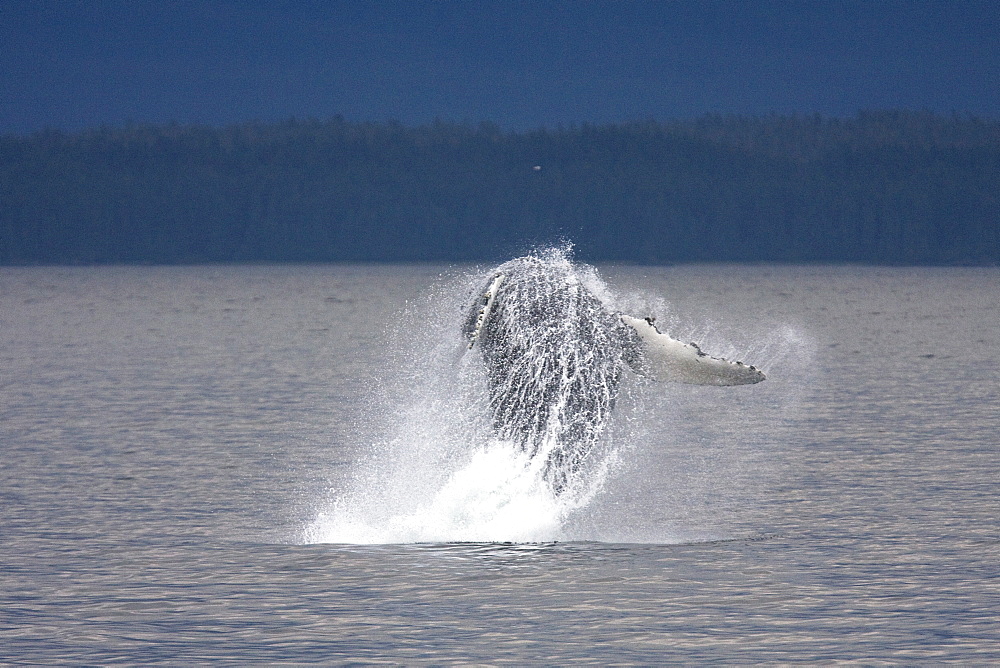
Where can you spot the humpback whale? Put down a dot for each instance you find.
(555, 355)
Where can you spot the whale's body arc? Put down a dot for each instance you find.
(555, 354)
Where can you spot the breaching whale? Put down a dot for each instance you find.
(555, 355)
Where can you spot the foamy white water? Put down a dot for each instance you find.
(500, 496)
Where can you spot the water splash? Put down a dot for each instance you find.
(496, 497)
(446, 474)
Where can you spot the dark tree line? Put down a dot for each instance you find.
(885, 187)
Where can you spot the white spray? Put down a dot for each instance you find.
(446, 473)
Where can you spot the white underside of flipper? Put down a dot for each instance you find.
(670, 360)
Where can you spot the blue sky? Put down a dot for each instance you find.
(72, 64)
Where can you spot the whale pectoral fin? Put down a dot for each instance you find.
(482, 309)
(670, 360)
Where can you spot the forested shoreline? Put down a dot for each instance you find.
(880, 188)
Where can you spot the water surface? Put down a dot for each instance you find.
(173, 439)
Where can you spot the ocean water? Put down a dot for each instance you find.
(290, 464)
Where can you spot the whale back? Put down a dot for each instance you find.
(553, 354)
